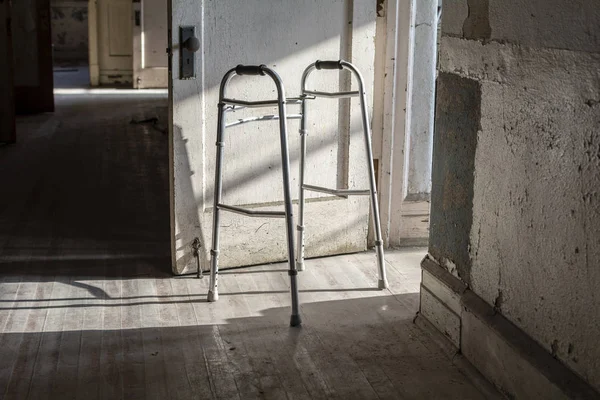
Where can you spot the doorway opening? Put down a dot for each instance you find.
(90, 198)
(70, 43)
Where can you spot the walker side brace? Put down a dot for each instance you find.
(226, 104)
(372, 191)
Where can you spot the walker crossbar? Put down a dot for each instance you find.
(337, 192)
(372, 191)
(250, 104)
(269, 117)
(238, 104)
(259, 70)
(332, 95)
(236, 107)
(252, 213)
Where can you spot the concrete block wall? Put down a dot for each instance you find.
(515, 212)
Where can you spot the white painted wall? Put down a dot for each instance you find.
(535, 237)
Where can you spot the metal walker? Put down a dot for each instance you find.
(226, 104)
(372, 191)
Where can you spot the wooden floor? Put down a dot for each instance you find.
(89, 309)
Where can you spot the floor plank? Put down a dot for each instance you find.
(89, 309)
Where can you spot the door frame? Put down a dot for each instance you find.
(404, 219)
(93, 43)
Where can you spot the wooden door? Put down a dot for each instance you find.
(287, 36)
(7, 102)
(150, 44)
(32, 50)
(115, 42)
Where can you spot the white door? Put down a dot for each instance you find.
(150, 59)
(115, 41)
(286, 35)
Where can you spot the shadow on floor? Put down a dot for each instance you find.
(347, 349)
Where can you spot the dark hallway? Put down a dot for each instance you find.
(85, 187)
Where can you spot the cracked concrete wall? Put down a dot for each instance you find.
(516, 193)
(70, 30)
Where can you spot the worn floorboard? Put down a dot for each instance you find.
(89, 309)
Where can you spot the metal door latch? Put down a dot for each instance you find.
(196, 245)
(188, 45)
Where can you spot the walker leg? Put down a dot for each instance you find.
(213, 291)
(303, 134)
(382, 283)
(295, 319)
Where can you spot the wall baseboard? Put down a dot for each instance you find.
(505, 355)
(452, 352)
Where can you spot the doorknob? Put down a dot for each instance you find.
(192, 44)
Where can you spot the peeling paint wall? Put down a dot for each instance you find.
(457, 125)
(521, 224)
(70, 30)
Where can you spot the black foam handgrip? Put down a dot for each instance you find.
(328, 64)
(250, 69)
